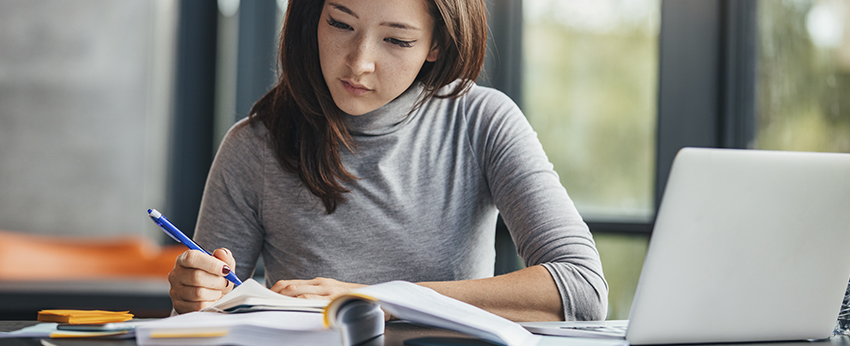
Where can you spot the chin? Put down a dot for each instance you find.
(355, 108)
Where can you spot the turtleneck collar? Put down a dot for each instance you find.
(389, 117)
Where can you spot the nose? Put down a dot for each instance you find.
(361, 56)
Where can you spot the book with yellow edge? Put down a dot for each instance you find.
(83, 316)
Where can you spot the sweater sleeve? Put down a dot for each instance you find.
(230, 209)
(542, 219)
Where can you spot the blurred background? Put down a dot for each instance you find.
(110, 108)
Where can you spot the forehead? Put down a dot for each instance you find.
(412, 12)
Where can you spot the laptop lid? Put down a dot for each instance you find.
(748, 245)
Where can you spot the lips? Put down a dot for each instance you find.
(354, 88)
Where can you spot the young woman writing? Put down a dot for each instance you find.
(375, 157)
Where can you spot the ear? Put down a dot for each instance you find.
(434, 53)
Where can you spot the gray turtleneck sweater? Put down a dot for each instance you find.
(431, 184)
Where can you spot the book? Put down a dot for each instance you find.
(349, 319)
(421, 305)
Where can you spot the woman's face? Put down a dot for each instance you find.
(372, 50)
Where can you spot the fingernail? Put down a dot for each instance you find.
(225, 270)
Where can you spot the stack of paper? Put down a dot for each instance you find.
(84, 316)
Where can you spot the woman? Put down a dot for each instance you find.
(375, 157)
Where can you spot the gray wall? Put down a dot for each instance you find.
(84, 113)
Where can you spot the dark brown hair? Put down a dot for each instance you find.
(308, 130)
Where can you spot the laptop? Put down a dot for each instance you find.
(748, 245)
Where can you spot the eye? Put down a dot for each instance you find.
(339, 25)
(400, 43)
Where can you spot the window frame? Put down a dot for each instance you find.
(192, 142)
(706, 78)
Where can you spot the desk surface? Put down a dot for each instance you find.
(395, 335)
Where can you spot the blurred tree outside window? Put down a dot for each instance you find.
(803, 80)
(589, 86)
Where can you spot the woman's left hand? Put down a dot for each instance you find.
(318, 288)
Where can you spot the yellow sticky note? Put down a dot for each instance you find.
(84, 316)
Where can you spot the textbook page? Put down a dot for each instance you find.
(417, 304)
(253, 296)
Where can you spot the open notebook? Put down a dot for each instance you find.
(748, 245)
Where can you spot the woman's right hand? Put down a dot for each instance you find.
(197, 280)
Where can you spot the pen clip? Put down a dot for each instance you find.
(166, 230)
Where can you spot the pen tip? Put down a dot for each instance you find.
(149, 211)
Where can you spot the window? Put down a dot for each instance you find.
(803, 76)
(589, 87)
(84, 115)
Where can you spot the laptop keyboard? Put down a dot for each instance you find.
(600, 329)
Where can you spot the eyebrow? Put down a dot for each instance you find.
(399, 25)
(396, 25)
(343, 9)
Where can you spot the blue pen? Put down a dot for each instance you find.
(181, 238)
